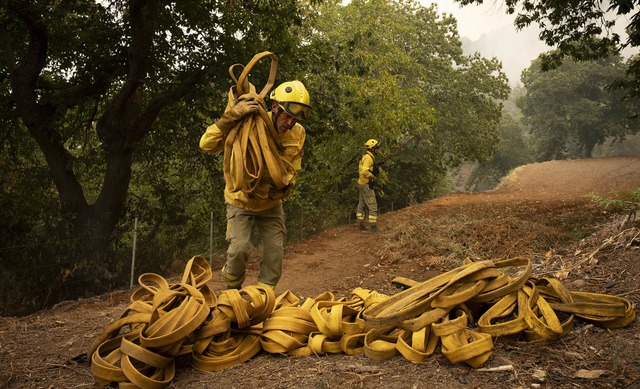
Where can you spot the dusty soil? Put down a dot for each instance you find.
(540, 212)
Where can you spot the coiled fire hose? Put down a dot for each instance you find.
(166, 320)
(251, 150)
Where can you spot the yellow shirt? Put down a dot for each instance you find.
(365, 168)
(212, 141)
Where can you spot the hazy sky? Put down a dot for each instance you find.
(474, 21)
(491, 32)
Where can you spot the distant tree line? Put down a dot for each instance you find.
(561, 113)
(588, 97)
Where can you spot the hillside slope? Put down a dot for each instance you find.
(539, 212)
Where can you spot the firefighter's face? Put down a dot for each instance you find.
(284, 121)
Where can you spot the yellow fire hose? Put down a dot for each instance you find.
(251, 150)
(164, 321)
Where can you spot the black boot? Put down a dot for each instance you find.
(362, 226)
(374, 227)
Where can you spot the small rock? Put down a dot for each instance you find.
(579, 284)
(539, 375)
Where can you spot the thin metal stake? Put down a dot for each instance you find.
(211, 242)
(133, 254)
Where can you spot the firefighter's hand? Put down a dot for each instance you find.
(241, 108)
(244, 107)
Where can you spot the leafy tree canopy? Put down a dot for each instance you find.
(104, 103)
(93, 87)
(395, 71)
(514, 148)
(570, 109)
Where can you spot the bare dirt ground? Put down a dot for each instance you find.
(540, 212)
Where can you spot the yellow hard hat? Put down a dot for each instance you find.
(293, 97)
(371, 143)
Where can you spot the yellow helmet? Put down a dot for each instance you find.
(371, 143)
(293, 97)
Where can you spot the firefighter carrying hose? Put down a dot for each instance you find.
(290, 103)
(367, 172)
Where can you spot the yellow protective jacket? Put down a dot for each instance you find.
(212, 141)
(365, 168)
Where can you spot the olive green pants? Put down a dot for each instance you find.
(367, 198)
(271, 228)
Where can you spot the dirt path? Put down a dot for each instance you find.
(334, 257)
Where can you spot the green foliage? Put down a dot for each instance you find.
(33, 263)
(107, 100)
(104, 104)
(395, 71)
(570, 109)
(513, 150)
(626, 203)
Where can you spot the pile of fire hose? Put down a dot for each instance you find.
(166, 320)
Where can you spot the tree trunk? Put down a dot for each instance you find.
(95, 223)
(126, 117)
(588, 144)
(122, 125)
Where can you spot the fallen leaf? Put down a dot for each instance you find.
(590, 374)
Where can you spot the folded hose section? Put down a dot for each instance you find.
(167, 320)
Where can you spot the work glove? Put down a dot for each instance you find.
(243, 107)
